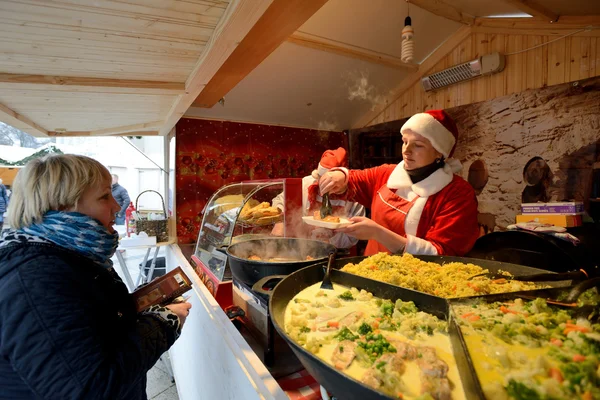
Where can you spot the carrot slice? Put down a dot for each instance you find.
(578, 358)
(556, 374)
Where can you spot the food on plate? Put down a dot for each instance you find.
(448, 280)
(328, 218)
(391, 347)
(531, 350)
(250, 205)
(260, 214)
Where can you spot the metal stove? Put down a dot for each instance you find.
(250, 314)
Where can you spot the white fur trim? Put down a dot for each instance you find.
(315, 174)
(428, 186)
(415, 245)
(425, 125)
(411, 223)
(321, 170)
(453, 165)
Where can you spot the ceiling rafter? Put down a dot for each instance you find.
(566, 22)
(90, 133)
(443, 9)
(280, 20)
(534, 9)
(166, 87)
(234, 26)
(333, 46)
(11, 117)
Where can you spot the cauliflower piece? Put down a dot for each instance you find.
(334, 303)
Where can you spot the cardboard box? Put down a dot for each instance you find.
(566, 221)
(568, 207)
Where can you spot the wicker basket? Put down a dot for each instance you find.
(153, 228)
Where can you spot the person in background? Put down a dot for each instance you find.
(68, 325)
(122, 197)
(418, 206)
(3, 203)
(311, 202)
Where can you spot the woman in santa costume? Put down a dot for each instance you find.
(312, 200)
(418, 206)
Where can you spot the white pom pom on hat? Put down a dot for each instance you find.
(437, 127)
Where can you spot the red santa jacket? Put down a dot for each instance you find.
(442, 218)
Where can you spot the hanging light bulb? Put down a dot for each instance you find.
(408, 45)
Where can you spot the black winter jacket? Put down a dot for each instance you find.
(69, 329)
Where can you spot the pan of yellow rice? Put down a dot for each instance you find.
(442, 276)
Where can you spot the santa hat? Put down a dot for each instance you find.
(330, 159)
(436, 126)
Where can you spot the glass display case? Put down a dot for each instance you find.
(242, 211)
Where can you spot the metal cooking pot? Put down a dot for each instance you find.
(288, 254)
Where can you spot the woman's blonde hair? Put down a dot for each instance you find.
(55, 182)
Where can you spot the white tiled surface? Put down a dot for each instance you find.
(160, 385)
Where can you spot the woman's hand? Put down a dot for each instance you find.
(277, 229)
(363, 229)
(333, 182)
(181, 309)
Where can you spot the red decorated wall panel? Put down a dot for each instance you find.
(210, 154)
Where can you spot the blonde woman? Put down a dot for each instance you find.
(68, 327)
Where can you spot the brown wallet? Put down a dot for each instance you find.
(162, 290)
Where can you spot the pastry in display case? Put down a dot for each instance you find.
(237, 212)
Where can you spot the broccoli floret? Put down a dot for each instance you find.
(387, 308)
(519, 391)
(364, 328)
(406, 307)
(346, 334)
(347, 295)
(304, 329)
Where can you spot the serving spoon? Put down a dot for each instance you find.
(326, 284)
(544, 277)
(325, 206)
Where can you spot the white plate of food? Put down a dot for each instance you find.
(330, 222)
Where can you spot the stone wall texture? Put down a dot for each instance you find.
(560, 124)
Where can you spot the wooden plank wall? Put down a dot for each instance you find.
(565, 60)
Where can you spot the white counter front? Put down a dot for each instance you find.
(211, 360)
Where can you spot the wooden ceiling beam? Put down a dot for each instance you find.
(535, 32)
(235, 24)
(20, 121)
(534, 9)
(164, 87)
(565, 22)
(461, 34)
(127, 128)
(333, 46)
(442, 9)
(90, 133)
(280, 21)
